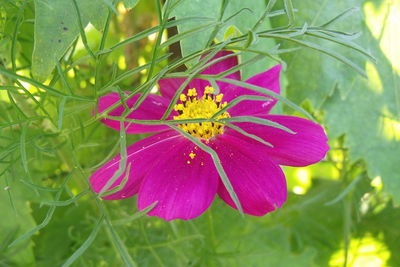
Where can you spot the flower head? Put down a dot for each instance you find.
(169, 169)
(192, 107)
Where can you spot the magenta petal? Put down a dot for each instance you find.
(182, 190)
(258, 182)
(169, 86)
(152, 108)
(223, 65)
(268, 80)
(307, 146)
(141, 156)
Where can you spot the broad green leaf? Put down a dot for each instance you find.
(95, 11)
(56, 27)
(307, 61)
(130, 3)
(366, 111)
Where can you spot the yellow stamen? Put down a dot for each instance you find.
(179, 107)
(192, 155)
(209, 90)
(182, 97)
(192, 92)
(193, 107)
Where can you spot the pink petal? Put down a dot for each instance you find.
(258, 182)
(268, 80)
(169, 86)
(307, 146)
(223, 65)
(152, 108)
(141, 156)
(182, 190)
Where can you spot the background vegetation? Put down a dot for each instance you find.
(341, 65)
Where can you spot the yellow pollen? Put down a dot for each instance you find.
(193, 107)
(209, 90)
(192, 92)
(218, 98)
(182, 97)
(188, 162)
(192, 155)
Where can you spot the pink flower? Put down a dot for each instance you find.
(170, 169)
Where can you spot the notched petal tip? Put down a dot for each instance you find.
(308, 146)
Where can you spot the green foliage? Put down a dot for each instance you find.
(57, 27)
(18, 220)
(50, 143)
(365, 110)
(130, 3)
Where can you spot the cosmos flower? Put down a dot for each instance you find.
(171, 170)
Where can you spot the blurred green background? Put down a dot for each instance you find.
(54, 64)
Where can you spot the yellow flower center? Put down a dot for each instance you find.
(193, 108)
